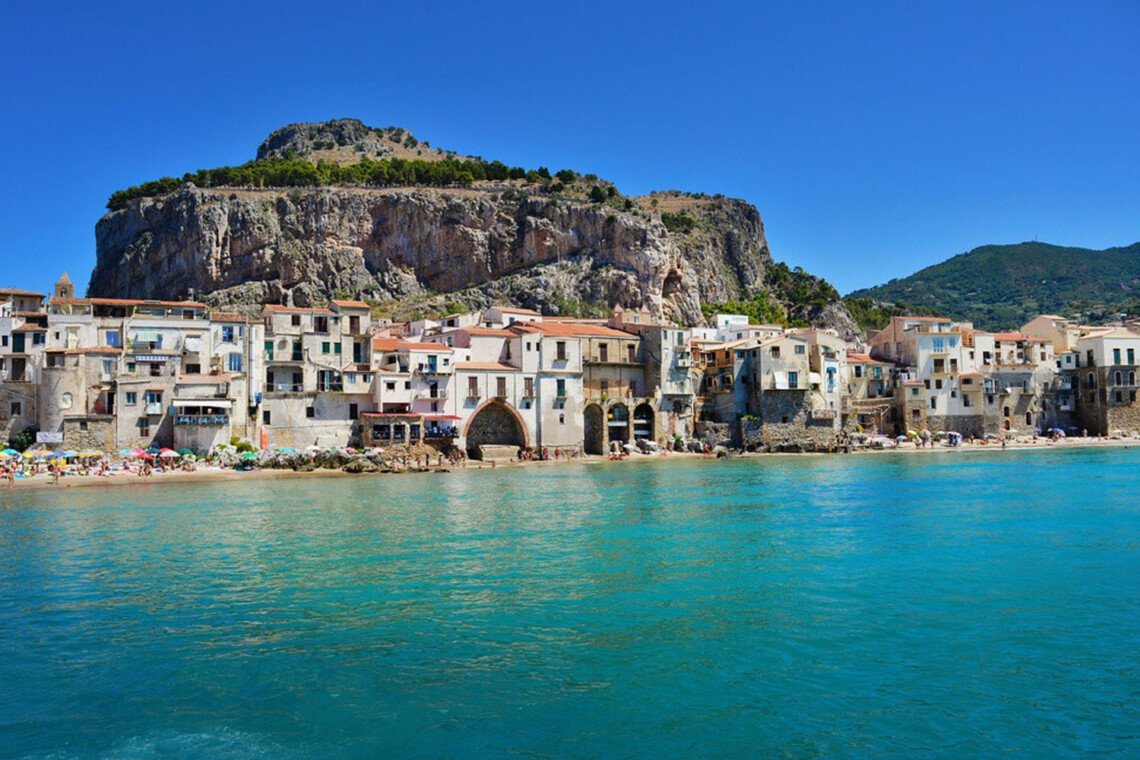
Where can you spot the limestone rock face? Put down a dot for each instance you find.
(305, 246)
(305, 138)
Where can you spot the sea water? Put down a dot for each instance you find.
(952, 604)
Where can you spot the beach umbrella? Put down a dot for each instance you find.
(249, 455)
(147, 455)
(91, 453)
(288, 451)
(11, 452)
(153, 450)
(184, 452)
(126, 452)
(69, 453)
(168, 454)
(43, 454)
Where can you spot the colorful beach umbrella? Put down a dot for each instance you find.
(169, 454)
(10, 452)
(186, 452)
(249, 455)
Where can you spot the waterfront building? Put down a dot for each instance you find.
(1104, 381)
(23, 331)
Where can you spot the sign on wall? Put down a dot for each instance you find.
(49, 437)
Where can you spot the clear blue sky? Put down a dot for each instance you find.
(874, 137)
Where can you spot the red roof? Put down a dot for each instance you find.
(226, 316)
(298, 309)
(352, 304)
(488, 331)
(570, 330)
(19, 292)
(854, 358)
(129, 302)
(29, 328)
(1009, 336)
(442, 417)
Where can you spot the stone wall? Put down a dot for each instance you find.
(716, 433)
(969, 425)
(89, 433)
(787, 424)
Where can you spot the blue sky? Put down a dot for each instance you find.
(875, 137)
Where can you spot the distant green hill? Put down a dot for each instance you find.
(1003, 286)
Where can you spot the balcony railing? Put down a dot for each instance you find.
(207, 420)
(330, 387)
(154, 408)
(285, 388)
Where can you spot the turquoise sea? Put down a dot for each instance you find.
(952, 605)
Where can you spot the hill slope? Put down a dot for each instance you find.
(1003, 286)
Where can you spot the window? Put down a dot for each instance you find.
(336, 348)
(295, 320)
(934, 402)
(310, 412)
(83, 425)
(266, 417)
(390, 385)
(132, 398)
(560, 351)
(603, 352)
(680, 338)
(775, 352)
(561, 393)
(296, 350)
(965, 401)
(604, 386)
(632, 353)
(354, 328)
(154, 397)
(562, 419)
(235, 363)
(65, 401)
(269, 350)
(353, 411)
(1117, 377)
(407, 385)
(528, 387)
(953, 343)
(800, 349)
(938, 346)
(38, 339)
(325, 347)
(501, 386)
(878, 373)
(857, 370)
(1119, 396)
(111, 338)
(321, 324)
(472, 387)
(793, 379)
(144, 427)
(15, 409)
(227, 334)
(108, 366)
(938, 384)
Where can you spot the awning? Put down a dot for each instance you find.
(152, 357)
(815, 377)
(442, 417)
(146, 336)
(780, 379)
(193, 345)
(210, 402)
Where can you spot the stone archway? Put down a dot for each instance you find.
(617, 423)
(495, 423)
(643, 422)
(595, 430)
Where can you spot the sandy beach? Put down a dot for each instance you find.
(217, 474)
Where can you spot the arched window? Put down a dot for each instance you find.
(1028, 418)
(1005, 411)
(1116, 378)
(1092, 380)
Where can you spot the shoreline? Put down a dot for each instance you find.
(216, 474)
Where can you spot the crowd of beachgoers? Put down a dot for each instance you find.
(32, 468)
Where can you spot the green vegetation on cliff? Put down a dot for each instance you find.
(297, 172)
(1003, 286)
(872, 315)
(791, 297)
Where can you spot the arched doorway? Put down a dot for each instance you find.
(618, 423)
(595, 433)
(494, 424)
(643, 422)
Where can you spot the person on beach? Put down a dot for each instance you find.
(11, 477)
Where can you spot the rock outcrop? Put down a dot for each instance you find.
(475, 246)
(302, 139)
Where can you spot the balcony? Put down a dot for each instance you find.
(285, 388)
(426, 368)
(683, 362)
(154, 408)
(438, 393)
(330, 387)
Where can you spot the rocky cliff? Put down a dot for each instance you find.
(562, 244)
(303, 247)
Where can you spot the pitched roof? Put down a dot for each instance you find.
(1009, 336)
(857, 358)
(489, 331)
(570, 330)
(226, 316)
(297, 309)
(19, 292)
(351, 304)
